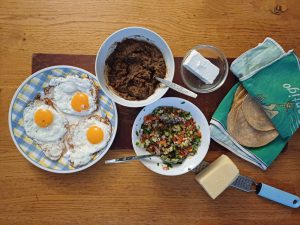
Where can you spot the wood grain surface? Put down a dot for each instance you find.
(129, 193)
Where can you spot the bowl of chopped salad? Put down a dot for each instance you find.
(175, 131)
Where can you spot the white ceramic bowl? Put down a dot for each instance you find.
(109, 45)
(155, 163)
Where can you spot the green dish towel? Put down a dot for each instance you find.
(272, 77)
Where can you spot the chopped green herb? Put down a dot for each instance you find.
(171, 132)
(137, 133)
(182, 102)
(169, 165)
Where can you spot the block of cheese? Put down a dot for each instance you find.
(201, 67)
(218, 176)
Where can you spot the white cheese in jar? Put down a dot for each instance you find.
(201, 67)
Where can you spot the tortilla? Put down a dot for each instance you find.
(247, 136)
(239, 97)
(240, 93)
(255, 115)
(238, 90)
(231, 118)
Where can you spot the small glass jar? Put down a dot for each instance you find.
(216, 57)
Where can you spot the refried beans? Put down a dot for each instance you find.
(131, 69)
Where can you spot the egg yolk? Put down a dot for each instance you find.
(95, 135)
(80, 102)
(43, 117)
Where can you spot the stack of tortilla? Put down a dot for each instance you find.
(247, 122)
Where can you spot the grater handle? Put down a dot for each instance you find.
(278, 195)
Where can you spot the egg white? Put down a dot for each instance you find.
(53, 150)
(55, 131)
(82, 150)
(51, 138)
(64, 89)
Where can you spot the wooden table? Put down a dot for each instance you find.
(129, 193)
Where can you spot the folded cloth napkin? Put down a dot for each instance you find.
(272, 77)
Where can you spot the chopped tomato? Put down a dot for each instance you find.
(178, 139)
(199, 133)
(182, 133)
(149, 118)
(190, 149)
(189, 124)
(144, 137)
(162, 142)
(184, 152)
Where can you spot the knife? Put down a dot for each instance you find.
(177, 87)
(247, 184)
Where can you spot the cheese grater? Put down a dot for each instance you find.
(242, 183)
(247, 184)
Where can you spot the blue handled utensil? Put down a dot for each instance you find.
(249, 185)
(243, 183)
(277, 195)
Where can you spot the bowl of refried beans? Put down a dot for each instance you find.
(128, 62)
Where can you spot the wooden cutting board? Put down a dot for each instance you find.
(206, 102)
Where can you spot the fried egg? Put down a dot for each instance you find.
(73, 95)
(86, 138)
(46, 126)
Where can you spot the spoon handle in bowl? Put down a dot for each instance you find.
(177, 87)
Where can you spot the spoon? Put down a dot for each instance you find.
(129, 158)
(177, 87)
(137, 157)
